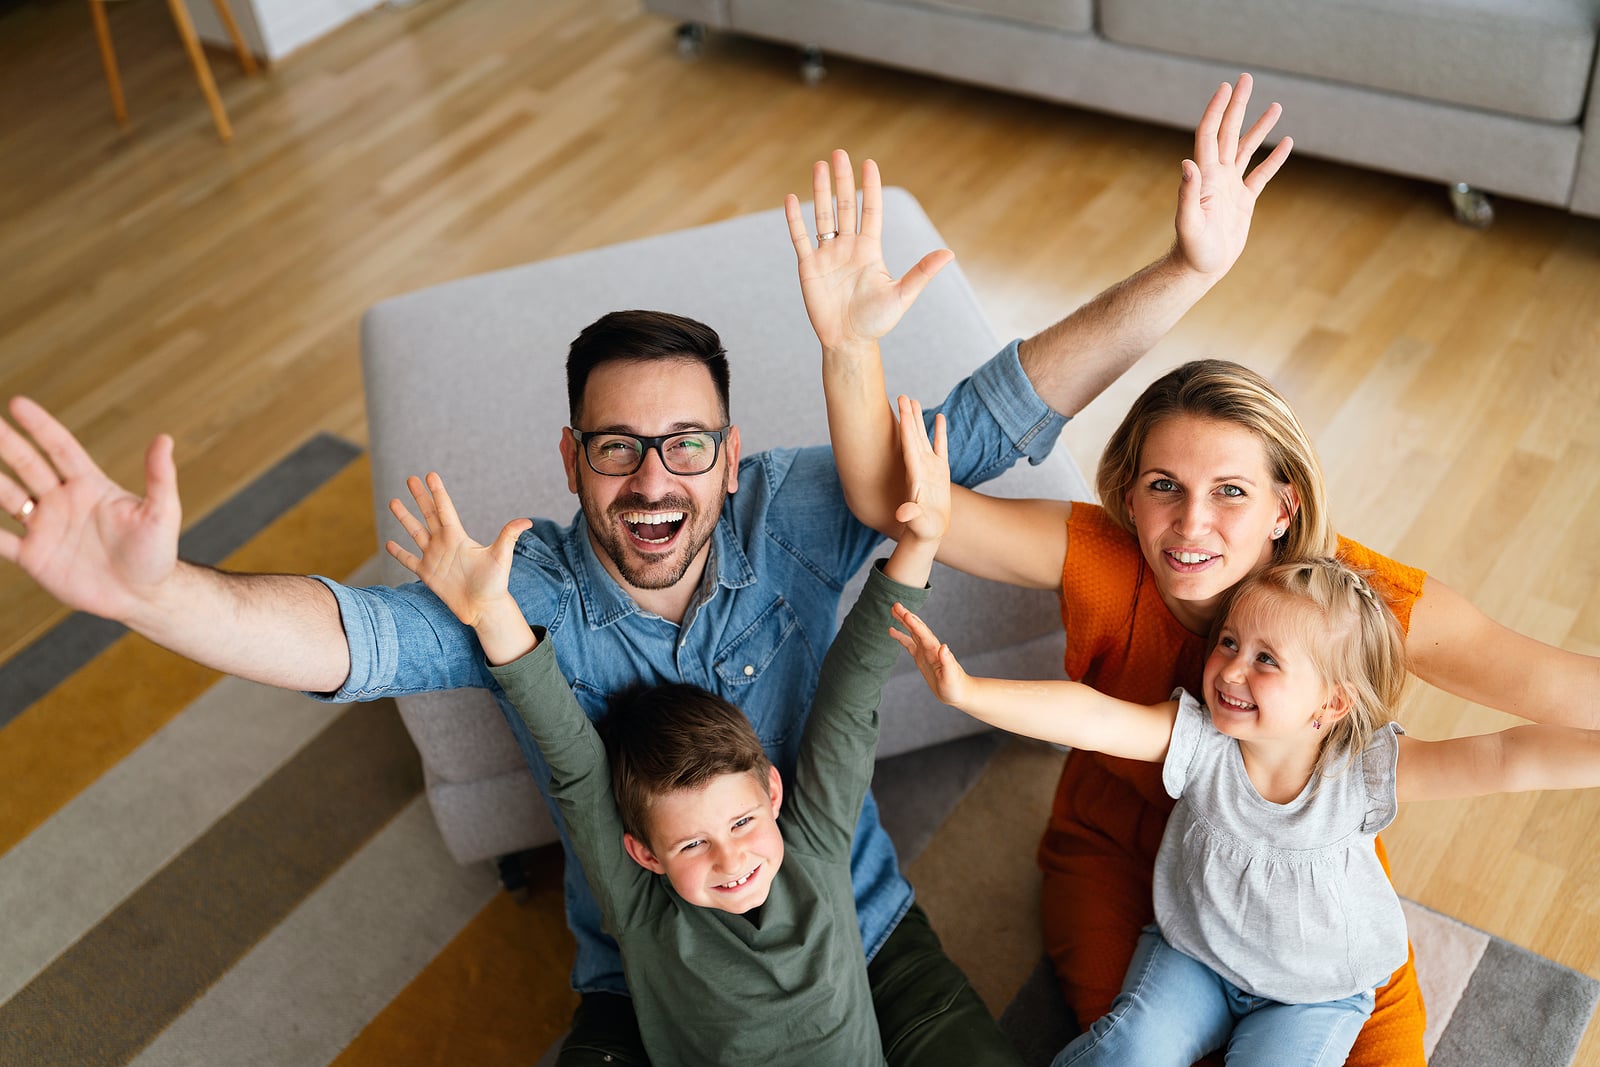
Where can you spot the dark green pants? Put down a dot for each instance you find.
(928, 1014)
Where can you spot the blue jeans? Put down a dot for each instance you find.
(1173, 1009)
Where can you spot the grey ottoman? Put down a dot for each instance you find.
(468, 379)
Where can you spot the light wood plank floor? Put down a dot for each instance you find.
(158, 281)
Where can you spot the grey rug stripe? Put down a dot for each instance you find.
(77, 639)
(108, 996)
(1522, 1001)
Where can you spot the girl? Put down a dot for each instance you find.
(1275, 922)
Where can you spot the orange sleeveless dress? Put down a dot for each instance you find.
(1098, 853)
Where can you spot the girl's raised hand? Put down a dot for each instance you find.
(937, 663)
(470, 578)
(926, 511)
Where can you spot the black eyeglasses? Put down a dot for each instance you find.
(617, 455)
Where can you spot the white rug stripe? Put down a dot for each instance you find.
(305, 992)
(86, 859)
(76, 867)
(1447, 953)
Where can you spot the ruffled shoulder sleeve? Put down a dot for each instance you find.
(1192, 726)
(1378, 765)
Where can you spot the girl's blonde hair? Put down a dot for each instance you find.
(1348, 632)
(1237, 395)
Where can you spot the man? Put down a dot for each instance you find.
(688, 562)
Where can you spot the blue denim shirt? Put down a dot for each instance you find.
(755, 633)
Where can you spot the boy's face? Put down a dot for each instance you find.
(718, 845)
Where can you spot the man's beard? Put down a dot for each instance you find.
(654, 572)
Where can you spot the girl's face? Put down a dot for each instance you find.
(1204, 506)
(1260, 682)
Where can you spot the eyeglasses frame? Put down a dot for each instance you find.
(648, 445)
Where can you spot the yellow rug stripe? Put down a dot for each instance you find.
(497, 996)
(95, 718)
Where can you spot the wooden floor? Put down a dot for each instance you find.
(159, 281)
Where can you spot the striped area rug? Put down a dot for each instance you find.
(198, 870)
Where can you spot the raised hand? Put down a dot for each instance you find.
(1219, 191)
(926, 511)
(88, 542)
(945, 677)
(849, 293)
(470, 578)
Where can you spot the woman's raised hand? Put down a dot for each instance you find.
(849, 293)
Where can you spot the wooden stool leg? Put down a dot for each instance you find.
(202, 69)
(246, 60)
(108, 58)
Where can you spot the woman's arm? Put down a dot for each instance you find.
(1517, 760)
(1066, 713)
(1458, 648)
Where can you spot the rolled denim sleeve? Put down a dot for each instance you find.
(996, 417)
(402, 641)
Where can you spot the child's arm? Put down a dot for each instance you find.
(925, 514)
(471, 579)
(1067, 713)
(1517, 760)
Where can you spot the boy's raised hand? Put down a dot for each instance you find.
(949, 682)
(470, 578)
(926, 511)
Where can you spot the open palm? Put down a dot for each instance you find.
(849, 293)
(469, 577)
(87, 541)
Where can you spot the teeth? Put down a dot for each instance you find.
(652, 518)
(1242, 705)
(1190, 557)
(738, 882)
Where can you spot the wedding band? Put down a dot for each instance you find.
(830, 235)
(27, 509)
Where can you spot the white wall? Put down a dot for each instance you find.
(274, 28)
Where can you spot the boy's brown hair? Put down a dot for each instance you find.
(665, 738)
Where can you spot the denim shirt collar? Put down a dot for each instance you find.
(604, 602)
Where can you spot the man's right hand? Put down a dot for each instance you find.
(849, 293)
(87, 541)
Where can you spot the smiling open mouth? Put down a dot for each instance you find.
(654, 527)
(737, 882)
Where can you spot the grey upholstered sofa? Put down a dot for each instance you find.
(1499, 95)
(468, 379)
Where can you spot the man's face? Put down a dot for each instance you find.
(651, 528)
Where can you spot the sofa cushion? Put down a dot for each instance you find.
(1071, 16)
(1529, 58)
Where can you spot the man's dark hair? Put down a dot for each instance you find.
(644, 336)
(664, 738)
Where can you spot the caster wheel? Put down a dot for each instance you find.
(1472, 207)
(812, 68)
(691, 39)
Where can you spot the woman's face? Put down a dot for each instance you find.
(1204, 507)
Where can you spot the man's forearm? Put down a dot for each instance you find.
(278, 629)
(1073, 361)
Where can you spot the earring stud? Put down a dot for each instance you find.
(1277, 532)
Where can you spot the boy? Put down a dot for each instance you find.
(739, 941)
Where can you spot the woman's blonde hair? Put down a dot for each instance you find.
(1349, 633)
(1230, 393)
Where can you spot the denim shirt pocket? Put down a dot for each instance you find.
(770, 645)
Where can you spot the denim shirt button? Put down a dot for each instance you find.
(749, 670)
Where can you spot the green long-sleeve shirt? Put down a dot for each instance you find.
(708, 986)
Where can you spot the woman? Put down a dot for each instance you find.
(1208, 479)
